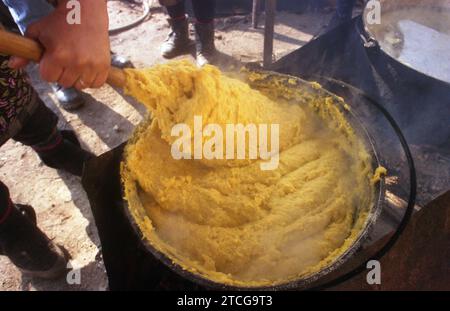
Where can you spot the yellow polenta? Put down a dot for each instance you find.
(230, 221)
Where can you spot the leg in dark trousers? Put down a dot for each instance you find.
(27, 119)
(7, 207)
(177, 42)
(204, 11)
(5, 203)
(40, 131)
(57, 149)
(177, 11)
(28, 248)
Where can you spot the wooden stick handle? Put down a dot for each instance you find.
(12, 44)
(116, 77)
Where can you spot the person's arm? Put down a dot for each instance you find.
(75, 54)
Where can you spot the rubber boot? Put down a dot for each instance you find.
(67, 155)
(69, 98)
(206, 50)
(28, 248)
(178, 42)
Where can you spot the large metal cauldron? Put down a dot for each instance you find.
(414, 34)
(372, 123)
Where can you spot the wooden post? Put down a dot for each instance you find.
(255, 13)
(269, 28)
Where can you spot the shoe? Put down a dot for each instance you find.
(67, 156)
(69, 98)
(120, 61)
(29, 249)
(178, 42)
(206, 50)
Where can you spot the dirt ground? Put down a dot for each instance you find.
(107, 119)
